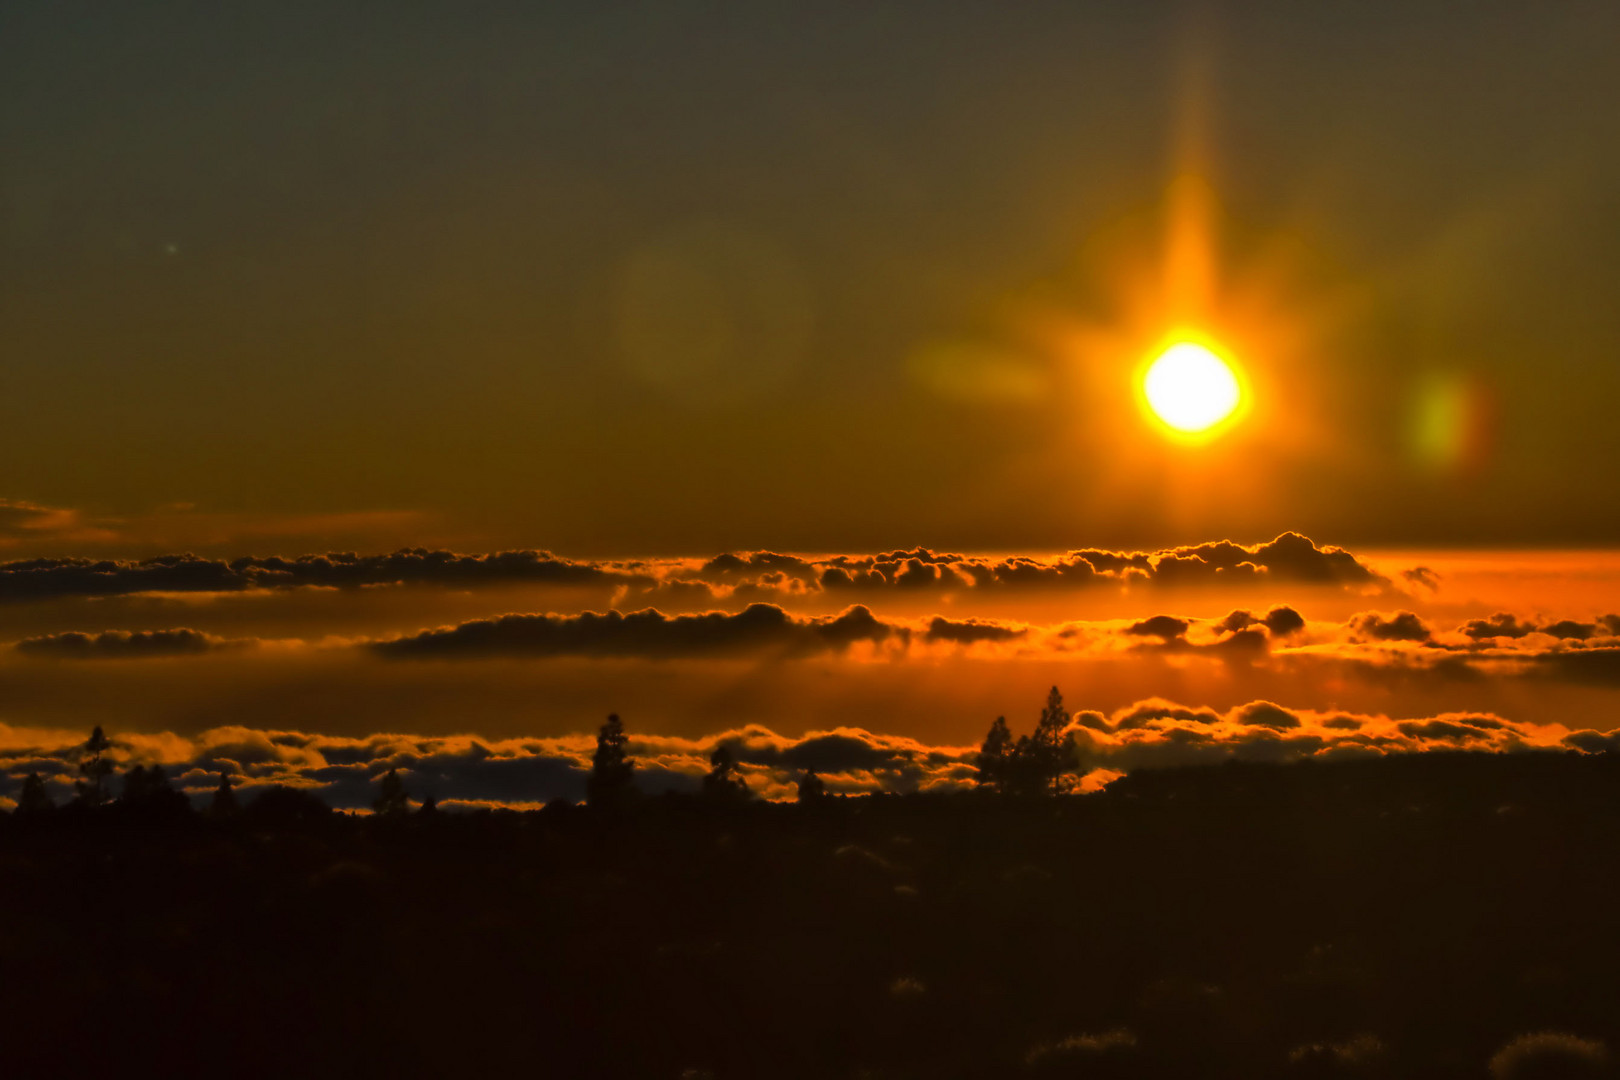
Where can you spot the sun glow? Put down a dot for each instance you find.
(1191, 389)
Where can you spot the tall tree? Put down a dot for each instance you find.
(95, 768)
(1052, 745)
(611, 766)
(994, 754)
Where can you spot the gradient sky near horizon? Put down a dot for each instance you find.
(619, 278)
(856, 298)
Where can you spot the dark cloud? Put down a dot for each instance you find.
(1504, 624)
(1501, 625)
(1289, 558)
(46, 578)
(734, 567)
(1442, 730)
(1154, 709)
(968, 631)
(1423, 577)
(1265, 714)
(649, 633)
(125, 644)
(1402, 626)
(1167, 628)
(1280, 621)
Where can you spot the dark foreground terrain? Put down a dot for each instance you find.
(1410, 917)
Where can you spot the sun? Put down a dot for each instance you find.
(1191, 389)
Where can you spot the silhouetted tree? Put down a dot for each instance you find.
(33, 798)
(811, 788)
(994, 757)
(611, 767)
(392, 799)
(429, 807)
(1035, 764)
(95, 768)
(724, 781)
(224, 804)
(1053, 756)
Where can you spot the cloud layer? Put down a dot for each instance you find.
(762, 575)
(467, 770)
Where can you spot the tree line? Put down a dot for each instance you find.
(1044, 762)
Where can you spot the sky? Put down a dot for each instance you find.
(624, 287)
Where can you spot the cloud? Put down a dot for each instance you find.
(649, 633)
(1167, 628)
(1505, 624)
(970, 631)
(36, 579)
(125, 644)
(26, 522)
(1280, 621)
(524, 772)
(757, 575)
(1402, 626)
(1501, 625)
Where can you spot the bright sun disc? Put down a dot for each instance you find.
(1190, 388)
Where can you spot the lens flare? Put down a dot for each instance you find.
(1191, 389)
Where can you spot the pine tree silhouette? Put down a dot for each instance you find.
(95, 768)
(611, 767)
(1051, 746)
(994, 757)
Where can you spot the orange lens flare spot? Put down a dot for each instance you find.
(1191, 389)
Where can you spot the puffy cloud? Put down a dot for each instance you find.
(649, 633)
(1402, 626)
(1505, 624)
(1265, 714)
(1289, 558)
(468, 770)
(1167, 628)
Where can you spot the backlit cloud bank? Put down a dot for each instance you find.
(469, 771)
(1290, 558)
